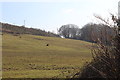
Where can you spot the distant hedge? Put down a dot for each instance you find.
(9, 28)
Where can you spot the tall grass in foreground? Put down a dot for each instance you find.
(106, 61)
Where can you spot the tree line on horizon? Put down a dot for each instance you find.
(90, 32)
(14, 29)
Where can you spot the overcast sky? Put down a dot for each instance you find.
(52, 14)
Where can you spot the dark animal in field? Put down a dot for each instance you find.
(47, 44)
(20, 37)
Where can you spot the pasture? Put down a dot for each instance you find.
(29, 57)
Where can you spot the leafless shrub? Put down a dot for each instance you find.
(106, 58)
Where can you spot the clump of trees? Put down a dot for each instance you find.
(94, 32)
(70, 31)
(90, 32)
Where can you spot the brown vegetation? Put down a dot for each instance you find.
(16, 30)
(106, 61)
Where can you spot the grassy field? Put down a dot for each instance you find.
(29, 57)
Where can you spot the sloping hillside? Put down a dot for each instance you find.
(15, 29)
(27, 56)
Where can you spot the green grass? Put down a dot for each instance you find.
(29, 57)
